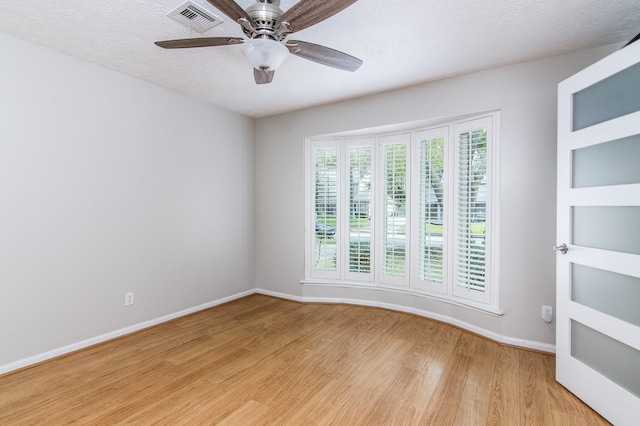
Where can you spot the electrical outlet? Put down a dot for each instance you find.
(128, 299)
(547, 313)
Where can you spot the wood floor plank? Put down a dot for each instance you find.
(382, 369)
(443, 406)
(266, 361)
(248, 413)
(385, 406)
(564, 402)
(357, 366)
(197, 400)
(474, 403)
(535, 407)
(504, 401)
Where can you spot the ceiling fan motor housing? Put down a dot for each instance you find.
(265, 13)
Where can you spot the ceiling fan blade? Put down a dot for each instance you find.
(323, 55)
(199, 42)
(231, 9)
(633, 40)
(263, 76)
(306, 13)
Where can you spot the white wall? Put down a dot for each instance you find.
(107, 185)
(526, 95)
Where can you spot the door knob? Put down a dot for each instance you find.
(562, 248)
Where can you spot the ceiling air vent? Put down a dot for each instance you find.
(194, 17)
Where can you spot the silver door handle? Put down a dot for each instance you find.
(562, 248)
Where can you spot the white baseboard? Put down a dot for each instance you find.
(280, 295)
(529, 344)
(512, 341)
(26, 362)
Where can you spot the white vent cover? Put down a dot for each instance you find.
(194, 17)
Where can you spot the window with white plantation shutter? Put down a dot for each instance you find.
(471, 209)
(326, 206)
(406, 211)
(394, 202)
(360, 190)
(431, 219)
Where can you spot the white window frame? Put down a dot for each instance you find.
(447, 291)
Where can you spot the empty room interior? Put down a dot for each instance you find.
(319, 212)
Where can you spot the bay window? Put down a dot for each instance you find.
(410, 211)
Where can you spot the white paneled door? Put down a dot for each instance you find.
(598, 247)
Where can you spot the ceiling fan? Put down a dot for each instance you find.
(267, 27)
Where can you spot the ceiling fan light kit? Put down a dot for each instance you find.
(266, 27)
(264, 53)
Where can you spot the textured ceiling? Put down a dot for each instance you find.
(402, 42)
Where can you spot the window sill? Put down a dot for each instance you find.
(454, 301)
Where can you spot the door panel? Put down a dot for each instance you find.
(610, 163)
(607, 227)
(611, 97)
(597, 350)
(599, 289)
(598, 279)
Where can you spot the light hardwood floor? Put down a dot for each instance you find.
(261, 360)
